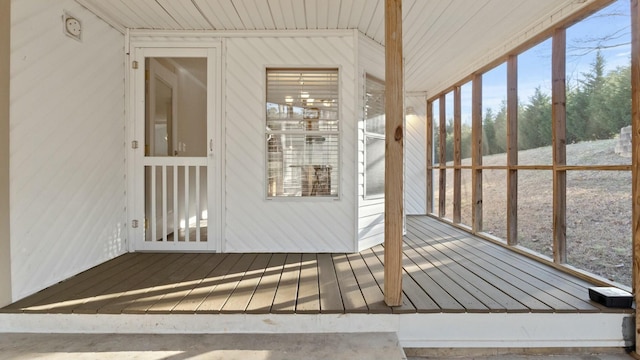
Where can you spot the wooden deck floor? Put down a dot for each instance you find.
(445, 270)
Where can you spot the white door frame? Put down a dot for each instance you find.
(215, 145)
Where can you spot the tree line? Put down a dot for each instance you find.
(598, 106)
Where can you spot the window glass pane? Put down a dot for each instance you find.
(599, 223)
(535, 210)
(374, 166)
(494, 202)
(534, 117)
(302, 165)
(599, 85)
(374, 138)
(494, 115)
(302, 132)
(374, 108)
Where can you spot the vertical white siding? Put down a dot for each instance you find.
(370, 211)
(5, 234)
(303, 225)
(415, 177)
(67, 144)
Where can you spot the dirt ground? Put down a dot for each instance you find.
(598, 206)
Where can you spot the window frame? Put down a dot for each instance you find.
(371, 135)
(336, 168)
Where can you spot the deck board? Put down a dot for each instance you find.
(377, 270)
(216, 299)
(571, 286)
(170, 301)
(309, 292)
(138, 286)
(445, 270)
(352, 297)
(264, 295)
(371, 292)
(93, 297)
(539, 285)
(287, 290)
(157, 292)
(495, 300)
(330, 296)
(197, 295)
(457, 292)
(242, 294)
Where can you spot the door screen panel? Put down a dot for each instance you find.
(175, 161)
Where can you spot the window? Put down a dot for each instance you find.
(374, 138)
(302, 133)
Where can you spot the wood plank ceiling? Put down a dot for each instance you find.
(444, 40)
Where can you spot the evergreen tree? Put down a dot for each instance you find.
(593, 85)
(534, 125)
(617, 99)
(488, 132)
(500, 128)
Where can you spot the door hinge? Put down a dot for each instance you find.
(134, 64)
(146, 223)
(134, 144)
(134, 224)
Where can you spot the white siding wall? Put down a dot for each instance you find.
(415, 188)
(5, 235)
(302, 225)
(370, 212)
(67, 144)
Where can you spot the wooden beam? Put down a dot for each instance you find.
(476, 153)
(457, 154)
(635, 156)
(512, 150)
(394, 154)
(442, 134)
(429, 157)
(559, 139)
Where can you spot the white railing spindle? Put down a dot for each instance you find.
(164, 203)
(197, 203)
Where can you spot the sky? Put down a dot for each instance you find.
(608, 29)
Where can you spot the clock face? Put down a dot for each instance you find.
(73, 26)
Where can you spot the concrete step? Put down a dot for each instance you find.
(338, 346)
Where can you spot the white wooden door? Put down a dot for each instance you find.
(176, 175)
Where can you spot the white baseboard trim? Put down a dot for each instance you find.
(441, 330)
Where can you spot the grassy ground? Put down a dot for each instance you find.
(598, 206)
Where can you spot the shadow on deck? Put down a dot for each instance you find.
(446, 272)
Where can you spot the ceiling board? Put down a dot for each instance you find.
(443, 40)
